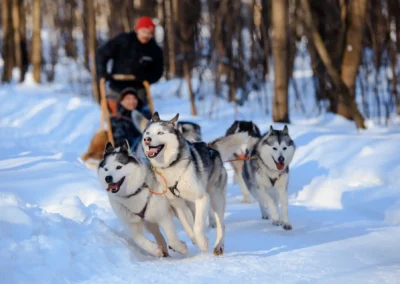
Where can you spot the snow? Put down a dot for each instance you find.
(56, 224)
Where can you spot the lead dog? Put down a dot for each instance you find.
(194, 172)
(128, 182)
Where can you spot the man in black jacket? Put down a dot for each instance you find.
(134, 53)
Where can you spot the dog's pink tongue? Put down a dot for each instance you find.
(280, 166)
(112, 186)
(151, 151)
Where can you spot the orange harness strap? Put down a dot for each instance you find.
(164, 180)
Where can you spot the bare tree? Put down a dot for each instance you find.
(352, 53)
(91, 45)
(347, 99)
(36, 41)
(8, 42)
(280, 23)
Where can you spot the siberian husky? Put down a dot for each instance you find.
(252, 130)
(194, 172)
(266, 174)
(128, 182)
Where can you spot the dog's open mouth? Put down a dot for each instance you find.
(279, 165)
(153, 151)
(114, 187)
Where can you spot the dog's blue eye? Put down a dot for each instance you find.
(275, 148)
(119, 167)
(284, 148)
(160, 133)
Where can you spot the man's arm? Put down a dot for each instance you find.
(106, 52)
(158, 69)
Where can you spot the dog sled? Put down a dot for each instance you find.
(108, 109)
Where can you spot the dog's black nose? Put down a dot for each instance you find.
(147, 139)
(109, 179)
(281, 159)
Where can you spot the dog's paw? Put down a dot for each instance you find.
(219, 250)
(265, 217)
(158, 252)
(164, 250)
(276, 222)
(287, 226)
(180, 248)
(202, 243)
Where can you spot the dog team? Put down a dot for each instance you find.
(172, 173)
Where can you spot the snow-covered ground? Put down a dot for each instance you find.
(56, 225)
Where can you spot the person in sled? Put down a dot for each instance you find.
(121, 123)
(133, 53)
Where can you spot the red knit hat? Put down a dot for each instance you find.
(144, 22)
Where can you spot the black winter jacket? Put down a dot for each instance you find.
(129, 56)
(123, 127)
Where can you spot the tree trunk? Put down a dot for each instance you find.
(191, 93)
(170, 37)
(91, 20)
(280, 23)
(17, 36)
(23, 41)
(8, 42)
(352, 53)
(36, 41)
(345, 96)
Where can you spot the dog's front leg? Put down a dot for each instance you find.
(154, 229)
(143, 242)
(240, 180)
(268, 200)
(183, 213)
(202, 205)
(168, 226)
(283, 199)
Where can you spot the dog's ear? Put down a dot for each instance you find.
(155, 117)
(175, 119)
(285, 130)
(125, 146)
(108, 149)
(271, 129)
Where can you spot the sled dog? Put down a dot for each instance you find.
(266, 174)
(252, 130)
(128, 182)
(194, 172)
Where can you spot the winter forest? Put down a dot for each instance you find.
(350, 47)
(328, 70)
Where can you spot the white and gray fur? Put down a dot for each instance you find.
(268, 184)
(194, 173)
(249, 127)
(191, 131)
(134, 204)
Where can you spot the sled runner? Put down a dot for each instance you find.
(108, 109)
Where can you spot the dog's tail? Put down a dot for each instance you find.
(228, 145)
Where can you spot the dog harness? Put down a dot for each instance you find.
(143, 211)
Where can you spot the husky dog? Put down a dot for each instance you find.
(194, 172)
(266, 174)
(191, 131)
(252, 130)
(128, 182)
